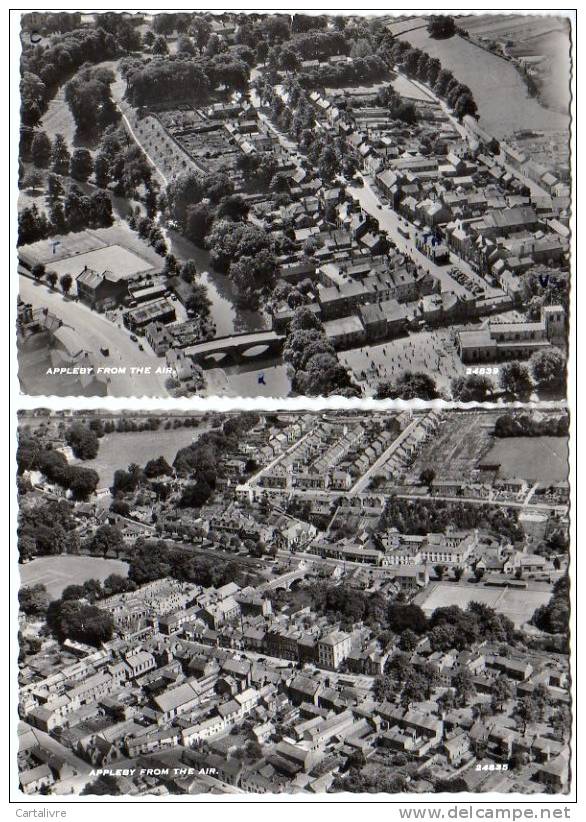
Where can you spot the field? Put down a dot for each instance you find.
(500, 92)
(116, 248)
(538, 459)
(120, 450)
(518, 606)
(458, 446)
(540, 39)
(113, 258)
(56, 573)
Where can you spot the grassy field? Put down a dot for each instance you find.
(500, 92)
(120, 450)
(518, 606)
(113, 258)
(117, 248)
(56, 573)
(539, 459)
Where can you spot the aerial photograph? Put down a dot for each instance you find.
(282, 205)
(277, 602)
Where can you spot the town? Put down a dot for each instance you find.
(274, 205)
(294, 602)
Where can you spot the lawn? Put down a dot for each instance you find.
(518, 606)
(116, 248)
(56, 573)
(500, 92)
(113, 258)
(538, 459)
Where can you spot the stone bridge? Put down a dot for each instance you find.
(237, 347)
(283, 581)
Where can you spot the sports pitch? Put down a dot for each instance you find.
(518, 605)
(113, 258)
(56, 573)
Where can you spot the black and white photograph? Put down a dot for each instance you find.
(278, 205)
(292, 464)
(294, 603)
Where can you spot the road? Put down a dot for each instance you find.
(540, 506)
(96, 332)
(73, 784)
(365, 478)
(390, 221)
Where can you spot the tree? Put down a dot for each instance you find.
(82, 482)
(80, 621)
(104, 785)
(515, 379)
(427, 476)
(441, 26)
(501, 691)
(55, 188)
(52, 278)
(41, 150)
(440, 571)
(73, 592)
(200, 29)
(83, 441)
(33, 600)
(160, 45)
(472, 388)
(464, 687)
(38, 271)
(234, 207)
(409, 386)
(60, 156)
(107, 540)
(158, 467)
(188, 271)
(185, 191)
(409, 640)
(66, 281)
(199, 220)
(102, 170)
(548, 368)
(527, 711)
(402, 617)
(82, 164)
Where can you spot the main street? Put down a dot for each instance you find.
(390, 222)
(96, 332)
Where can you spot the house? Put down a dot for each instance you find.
(33, 780)
(177, 701)
(345, 332)
(333, 649)
(100, 290)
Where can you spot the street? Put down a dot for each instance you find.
(96, 332)
(390, 221)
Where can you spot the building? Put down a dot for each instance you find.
(516, 340)
(160, 311)
(333, 649)
(101, 290)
